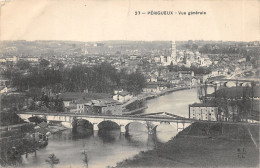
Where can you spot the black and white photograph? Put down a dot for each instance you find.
(129, 83)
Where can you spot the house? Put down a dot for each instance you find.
(41, 133)
(3, 89)
(66, 103)
(205, 61)
(133, 57)
(157, 59)
(80, 108)
(185, 74)
(162, 87)
(190, 81)
(11, 59)
(70, 98)
(2, 60)
(76, 106)
(122, 96)
(214, 73)
(106, 106)
(195, 81)
(30, 59)
(151, 88)
(4, 82)
(203, 112)
(202, 78)
(174, 81)
(151, 78)
(80, 105)
(72, 108)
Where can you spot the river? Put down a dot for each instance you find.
(107, 148)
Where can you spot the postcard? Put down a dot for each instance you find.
(129, 83)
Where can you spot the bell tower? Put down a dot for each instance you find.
(173, 54)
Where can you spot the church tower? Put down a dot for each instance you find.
(173, 54)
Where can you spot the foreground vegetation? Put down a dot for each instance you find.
(14, 144)
(204, 145)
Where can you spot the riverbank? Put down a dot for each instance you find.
(204, 145)
(164, 92)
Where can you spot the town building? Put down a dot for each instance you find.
(106, 106)
(4, 82)
(75, 102)
(173, 53)
(151, 88)
(29, 59)
(122, 96)
(185, 74)
(41, 133)
(203, 112)
(3, 89)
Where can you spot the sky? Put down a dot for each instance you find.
(98, 20)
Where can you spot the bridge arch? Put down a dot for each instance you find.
(84, 123)
(150, 126)
(230, 84)
(172, 124)
(127, 125)
(108, 124)
(245, 84)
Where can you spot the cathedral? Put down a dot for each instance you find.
(167, 60)
(184, 57)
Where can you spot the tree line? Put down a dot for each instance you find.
(195, 69)
(236, 103)
(102, 78)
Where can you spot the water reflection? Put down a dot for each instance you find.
(80, 133)
(109, 136)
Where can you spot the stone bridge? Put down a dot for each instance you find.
(150, 121)
(232, 82)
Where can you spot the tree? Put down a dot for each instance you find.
(85, 158)
(135, 83)
(33, 105)
(44, 63)
(21, 64)
(52, 160)
(36, 119)
(45, 100)
(74, 124)
(59, 105)
(9, 118)
(59, 65)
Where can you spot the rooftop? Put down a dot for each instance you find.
(84, 96)
(123, 93)
(201, 105)
(104, 102)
